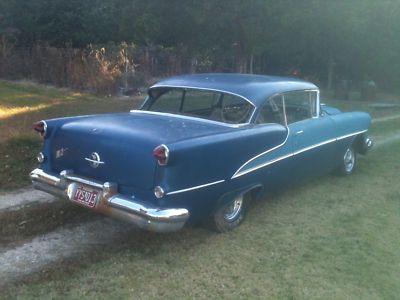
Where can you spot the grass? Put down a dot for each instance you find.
(22, 104)
(333, 238)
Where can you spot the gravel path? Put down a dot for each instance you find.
(387, 139)
(65, 242)
(385, 119)
(19, 198)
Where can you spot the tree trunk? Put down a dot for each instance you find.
(251, 63)
(330, 74)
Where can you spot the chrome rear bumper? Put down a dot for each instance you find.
(111, 203)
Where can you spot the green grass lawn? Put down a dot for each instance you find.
(332, 238)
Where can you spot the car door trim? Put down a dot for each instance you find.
(241, 172)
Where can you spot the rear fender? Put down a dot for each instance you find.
(254, 190)
(215, 158)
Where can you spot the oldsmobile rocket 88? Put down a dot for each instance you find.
(200, 147)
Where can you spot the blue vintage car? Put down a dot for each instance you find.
(200, 147)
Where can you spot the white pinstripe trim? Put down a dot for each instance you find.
(195, 187)
(239, 173)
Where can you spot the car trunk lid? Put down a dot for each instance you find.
(119, 147)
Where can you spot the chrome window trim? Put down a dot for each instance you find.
(238, 173)
(211, 90)
(203, 89)
(195, 187)
(317, 103)
(317, 109)
(188, 118)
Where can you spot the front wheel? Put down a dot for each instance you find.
(230, 215)
(348, 163)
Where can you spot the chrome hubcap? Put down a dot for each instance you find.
(349, 160)
(233, 210)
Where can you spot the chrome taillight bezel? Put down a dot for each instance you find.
(41, 157)
(41, 128)
(161, 153)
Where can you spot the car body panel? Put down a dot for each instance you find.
(209, 162)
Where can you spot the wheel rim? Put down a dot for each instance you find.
(233, 209)
(349, 160)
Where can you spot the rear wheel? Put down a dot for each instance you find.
(230, 215)
(348, 163)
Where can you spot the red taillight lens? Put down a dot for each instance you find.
(161, 153)
(40, 127)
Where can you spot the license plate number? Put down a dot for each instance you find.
(85, 196)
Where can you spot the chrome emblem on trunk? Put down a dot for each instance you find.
(61, 152)
(94, 160)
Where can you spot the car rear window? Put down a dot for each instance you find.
(212, 105)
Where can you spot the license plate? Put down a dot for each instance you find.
(85, 196)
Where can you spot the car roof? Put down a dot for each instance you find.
(255, 88)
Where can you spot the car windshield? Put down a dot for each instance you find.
(211, 105)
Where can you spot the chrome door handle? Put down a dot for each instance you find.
(299, 132)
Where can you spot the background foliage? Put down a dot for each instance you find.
(349, 39)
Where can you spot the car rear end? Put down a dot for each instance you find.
(105, 168)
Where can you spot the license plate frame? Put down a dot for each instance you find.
(85, 196)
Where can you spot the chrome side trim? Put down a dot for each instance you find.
(240, 173)
(351, 134)
(188, 118)
(195, 187)
(314, 146)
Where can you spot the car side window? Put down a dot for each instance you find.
(272, 111)
(300, 105)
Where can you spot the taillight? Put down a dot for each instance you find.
(161, 153)
(40, 127)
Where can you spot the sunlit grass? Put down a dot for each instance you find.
(24, 103)
(21, 105)
(8, 112)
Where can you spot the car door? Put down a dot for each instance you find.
(275, 164)
(311, 136)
